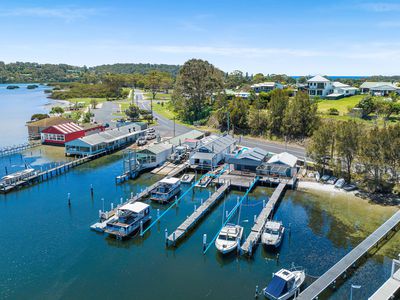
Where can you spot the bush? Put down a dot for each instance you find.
(333, 111)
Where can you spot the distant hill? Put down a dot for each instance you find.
(135, 68)
(27, 72)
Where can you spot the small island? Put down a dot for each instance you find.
(12, 87)
(32, 86)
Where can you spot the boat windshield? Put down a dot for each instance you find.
(277, 287)
(226, 237)
(272, 231)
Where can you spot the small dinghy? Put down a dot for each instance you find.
(228, 238)
(284, 284)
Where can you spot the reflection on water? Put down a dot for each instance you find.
(49, 252)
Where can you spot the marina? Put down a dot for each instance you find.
(4, 151)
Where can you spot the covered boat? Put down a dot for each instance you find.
(228, 238)
(17, 176)
(273, 234)
(284, 284)
(167, 188)
(129, 219)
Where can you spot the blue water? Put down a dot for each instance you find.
(48, 251)
(17, 107)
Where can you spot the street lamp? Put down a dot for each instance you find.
(351, 290)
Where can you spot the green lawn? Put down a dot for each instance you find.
(164, 110)
(159, 96)
(342, 105)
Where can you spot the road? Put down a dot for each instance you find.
(165, 127)
(105, 114)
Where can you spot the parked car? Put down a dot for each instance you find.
(332, 180)
(150, 136)
(325, 178)
(350, 187)
(151, 130)
(141, 141)
(340, 183)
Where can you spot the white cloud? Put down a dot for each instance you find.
(65, 13)
(381, 6)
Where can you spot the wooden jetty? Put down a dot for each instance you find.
(44, 175)
(330, 276)
(5, 151)
(391, 288)
(198, 214)
(258, 227)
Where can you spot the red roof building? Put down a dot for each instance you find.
(62, 133)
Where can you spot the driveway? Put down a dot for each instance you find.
(105, 114)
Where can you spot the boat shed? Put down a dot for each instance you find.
(282, 164)
(62, 133)
(108, 140)
(190, 136)
(212, 151)
(36, 127)
(154, 155)
(248, 159)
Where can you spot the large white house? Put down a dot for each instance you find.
(266, 86)
(325, 88)
(379, 88)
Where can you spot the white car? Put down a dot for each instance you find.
(141, 141)
(150, 136)
(151, 130)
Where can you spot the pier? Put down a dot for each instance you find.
(198, 214)
(44, 175)
(262, 218)
(330, 276)
(391, 288)
(5, 151)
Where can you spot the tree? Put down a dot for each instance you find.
(155, 81)
(367, 104)
(93, 103)
(322, 144)
(300, 118)
(133, 112)
(57, 110)
(258, 120)
(238, 113)
(196, 83)
(276, 111)
(348, 136)
(39, 116)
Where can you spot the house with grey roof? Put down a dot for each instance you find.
(379, 88)
(266, 87)
(281, 165)
(247, 160)
(212, 152)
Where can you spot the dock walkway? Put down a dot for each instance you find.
(44, 175)
(323, 282)
(389, 289)
(262, 218)
(198, 214)
(4, 151)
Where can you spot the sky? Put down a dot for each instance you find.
(270, 36)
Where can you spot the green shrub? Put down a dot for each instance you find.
(333, 111)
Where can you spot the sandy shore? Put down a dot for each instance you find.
(54, 103)
(320, 187)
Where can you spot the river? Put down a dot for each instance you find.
(48, 252)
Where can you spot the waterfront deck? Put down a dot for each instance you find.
(40, 176)
(389, 289)
(330, 276)
(5, 151)
(262, 218)
(198, 214)
(239, 181)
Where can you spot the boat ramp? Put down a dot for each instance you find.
(329, 277)
(198, 214)
(262, 218)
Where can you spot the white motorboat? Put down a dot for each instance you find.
(284, 284)
(228, 238)
(273, 234)
(167, 188)
(128, 219)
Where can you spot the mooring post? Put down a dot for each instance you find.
(166, 236)
(263, 203)
(141, 228)
(238, 245)
(69, 199)
(91, 190)
(201, 201)
(204, 241)
(195, 207)
(256, 293)
(121, 200)
(255, 218)
(112, 206)
(158, 214)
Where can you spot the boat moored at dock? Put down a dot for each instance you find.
(166, 189)
(16, 177)
(284, 284)
(130, 217)
(272, 234)
(229, 238)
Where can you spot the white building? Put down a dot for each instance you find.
(282, 164)
(379, 88)
(341, 90)
(212, 152)
(319, 86)
(266, 86)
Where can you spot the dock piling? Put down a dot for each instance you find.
(141, 227)
(256, 293)
(166, 236)
(204, 241)
(91, 190)
(69, 199)
(158, 214)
